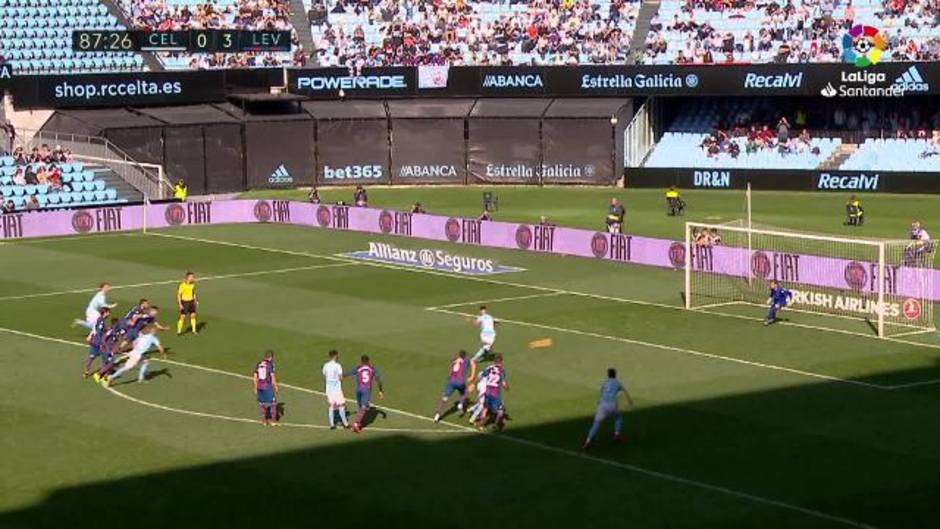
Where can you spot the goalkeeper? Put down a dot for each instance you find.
(779, 298)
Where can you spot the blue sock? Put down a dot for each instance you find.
(593, 431)
(142, 373)
(772, 313)
(618, 424)
(342, 415)
(478, 355)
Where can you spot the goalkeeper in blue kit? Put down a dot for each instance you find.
(779, 298)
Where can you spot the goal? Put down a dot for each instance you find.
(889, 284)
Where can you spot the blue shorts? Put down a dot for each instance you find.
(494, 404)
(363, 398)
(132, 334)
(93, 351)
(780, 305)
(451, 387)
(266, 396)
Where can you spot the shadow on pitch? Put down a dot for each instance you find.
(864, 454)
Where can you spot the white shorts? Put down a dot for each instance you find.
(605, 410)
(91, 316)
(335, 397)
(488, 339)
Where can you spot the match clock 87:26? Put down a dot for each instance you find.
(103, 40)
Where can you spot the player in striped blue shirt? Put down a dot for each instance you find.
(366, 376)
(264, 383)
(456, 381)
(607, 406)
(779, 298)
(96, 340)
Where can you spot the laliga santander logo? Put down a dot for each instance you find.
(863, 46)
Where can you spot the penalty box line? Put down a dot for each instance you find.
(217, 372)
(553, 290)
(508, 438)
(237, 275)
(675, 349)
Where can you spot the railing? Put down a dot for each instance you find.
(147, 178)
(638, 137)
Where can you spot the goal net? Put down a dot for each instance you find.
(887, 283)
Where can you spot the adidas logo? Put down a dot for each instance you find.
(281, 176)
(911, 81)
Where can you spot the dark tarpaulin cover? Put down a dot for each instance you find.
(428, 144)
(279, 153)
(352, 152)
(225, 167)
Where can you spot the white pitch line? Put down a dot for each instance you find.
(528, 286)
(255, 422)
(174, 281)
(713, 305)
(911, 333)
(497, 300)
(681, 350)
(525, 442)
(921, 383)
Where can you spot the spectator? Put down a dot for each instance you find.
(19, 177)
(485, 215)
(32, 204)
(783, 130)
(418, 208)
(7, 207)
(314, 196)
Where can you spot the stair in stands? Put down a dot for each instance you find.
(648, 10)
(838, 157)
(298, 19)
(125, 191)
(150, 60)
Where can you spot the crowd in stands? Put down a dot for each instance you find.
(480, 32)
(786, 31)
(178, 15)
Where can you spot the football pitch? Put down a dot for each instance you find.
(814, 422)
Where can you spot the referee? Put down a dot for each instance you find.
(187, 301)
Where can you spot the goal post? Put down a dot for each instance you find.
(889, 284)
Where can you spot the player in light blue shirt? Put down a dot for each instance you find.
(487, 325)
(607, 406)
(93, 311)
(143, 344)
(779, 298)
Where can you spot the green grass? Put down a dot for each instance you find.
(887, 216)
(735, 425)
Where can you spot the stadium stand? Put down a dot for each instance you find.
(682, 149)
(174, 15)
(475, 32)
(36, 37)
(877, 154)
(50, 178)
(800, 31)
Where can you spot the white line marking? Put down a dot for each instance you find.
(713, 305)
(536, 287)
(497, 300)
(256, 422)
(56, 238)
(177, 280)
(930, 382)
(518, 440)
(679, 350)
(911, 333)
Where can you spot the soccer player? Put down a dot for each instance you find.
(333, 376)
(141, 307)
(366, 375)
(477, 407)
(779, 298)
(487, 325)
(456, 381)
(96, 340)
(264, 383)
(111, 343)
(138, 323)
(142, 345)
(93, 311)
(188, 303)
(608, 406)
(495, 377)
